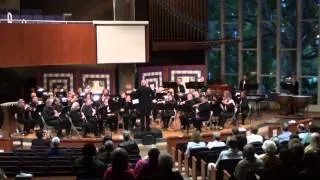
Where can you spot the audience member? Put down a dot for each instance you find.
(195, 142)
(165, 169)
(254, 136)
(129, 145)
(303, 134)
(269, 158)
(250, 165)
(147, 167)
(312, 166)
(232, 153)
(241, 138)
(297, 151)
(104, 140)
(105, 155)
(314, 145)
(55, 149)
(285, 135)
(285, 170)
(88, 166)
(120, 166)
(39, 141)
(216, 141)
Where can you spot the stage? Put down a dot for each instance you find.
(263, 122)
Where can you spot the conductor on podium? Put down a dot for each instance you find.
(145, 96)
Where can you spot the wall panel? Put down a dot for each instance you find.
(47, 44)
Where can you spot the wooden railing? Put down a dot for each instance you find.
(178, 20)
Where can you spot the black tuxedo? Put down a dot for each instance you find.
(87, 111)
(77, 120)
(181, 89)
(243, 85)
(145, 95)
(202, 115)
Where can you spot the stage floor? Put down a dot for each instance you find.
(262, 122)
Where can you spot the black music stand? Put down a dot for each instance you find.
(170, 85)
(194, 85)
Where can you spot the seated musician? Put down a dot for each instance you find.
(90, 114)
(129, 113)
(203, 113)
(107, 113)
(79, 119)
(35, 109)
(188, 112)
(23, 116)
(64, 122)
(228, 109)
(243, 106)
(168, 111)
(51, 116)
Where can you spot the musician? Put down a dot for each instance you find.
(105, 94)
(180, 88)
(203, 112)
(35, 108)
(78, 118)
(106, 110)
(91, 116)
(62, 111)
(243, 106)
(228, 108)
(188, 112)
(196, 97)
(244, 83)
(145, 95)
(168, 111)
(295, 89)
(51, 116)
(23, 116)
(128, 113)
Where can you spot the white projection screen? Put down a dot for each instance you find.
(121, 42)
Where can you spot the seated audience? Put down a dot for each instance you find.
(165, 169)
(241, 138)
(104, 140)
(250, 165)
(216, 141)
(88, 166)
(40, 141)
(312, 166)
(297, 151)
(105, 155)
(195, 142)
(303, 134)
(269, 158)
(285, 135)
(129, 144)
(314, 145)
(148, 167)
(232, 153)
(286, 169)
(120, 166)
(55, 149)
(254, 136)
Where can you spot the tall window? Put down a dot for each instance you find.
(263, 26)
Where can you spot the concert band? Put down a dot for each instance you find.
(95, 113)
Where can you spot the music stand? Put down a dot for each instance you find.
(170, 85)
(194, 85)
(251, 88)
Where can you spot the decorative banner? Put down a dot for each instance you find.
(57, 80)
(153, 75)
(97, 82)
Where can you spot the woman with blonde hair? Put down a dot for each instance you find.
(195, 142)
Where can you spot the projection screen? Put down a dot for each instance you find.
(121, 41)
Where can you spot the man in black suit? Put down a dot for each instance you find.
(129, 145)
(39, 141)
(203, 113)
(145, 95)
(244, 83)
(243, 108)
(180, 88)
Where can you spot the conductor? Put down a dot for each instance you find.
(145, 96)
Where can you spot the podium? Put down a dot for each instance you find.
(9, 121)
